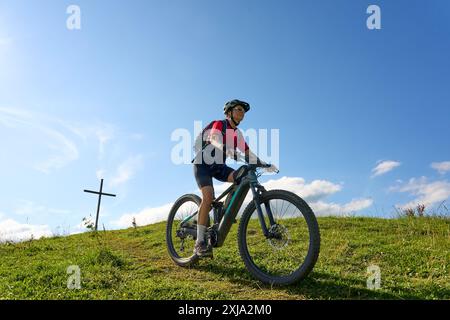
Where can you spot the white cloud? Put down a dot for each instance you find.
(144, 217)
(61, 137)
(104, 134)
(312, 192)
(384, 167)
(65, 151)
(12, 117)
(61, 149)
(357, 205)
(11, 230)
(321, 208)
(82, 226)
(427, 193)
(30, 208)
(127, 170)
(441, 167)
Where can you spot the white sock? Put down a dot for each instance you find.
(200, 233)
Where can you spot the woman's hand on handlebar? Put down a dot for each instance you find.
(269, 167)
(272, 168)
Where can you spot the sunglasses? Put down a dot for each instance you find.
(239, 109)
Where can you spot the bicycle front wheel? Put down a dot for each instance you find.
(291, 249)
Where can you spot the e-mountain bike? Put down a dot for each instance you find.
(278, 234)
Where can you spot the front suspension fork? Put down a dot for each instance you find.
(258, 191)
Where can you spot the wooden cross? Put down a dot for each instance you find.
(100, 194)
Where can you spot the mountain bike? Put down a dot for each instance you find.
(278, 234)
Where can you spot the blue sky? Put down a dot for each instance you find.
(103, 101)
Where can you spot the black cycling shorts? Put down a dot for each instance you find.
(205, 172)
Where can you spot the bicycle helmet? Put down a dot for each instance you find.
(233, 103)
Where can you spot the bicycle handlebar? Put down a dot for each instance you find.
(239, 157)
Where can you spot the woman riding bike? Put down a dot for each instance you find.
(220, 142)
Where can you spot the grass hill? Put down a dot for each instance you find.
(413, 255)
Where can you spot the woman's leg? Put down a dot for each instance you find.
(231, 177)
(205, 206)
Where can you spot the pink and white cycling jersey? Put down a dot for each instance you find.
(234, 135)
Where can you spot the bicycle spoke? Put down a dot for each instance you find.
(281, 255)
(183, 243)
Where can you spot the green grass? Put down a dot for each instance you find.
(412, 253)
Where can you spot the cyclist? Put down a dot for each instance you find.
(220, 143)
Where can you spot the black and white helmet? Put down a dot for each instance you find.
(233, 103)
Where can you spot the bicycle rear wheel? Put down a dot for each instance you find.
(290, 252)
(180, 239)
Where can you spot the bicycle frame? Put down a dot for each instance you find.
(223, 226)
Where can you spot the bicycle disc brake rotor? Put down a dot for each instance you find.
(279, 237)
